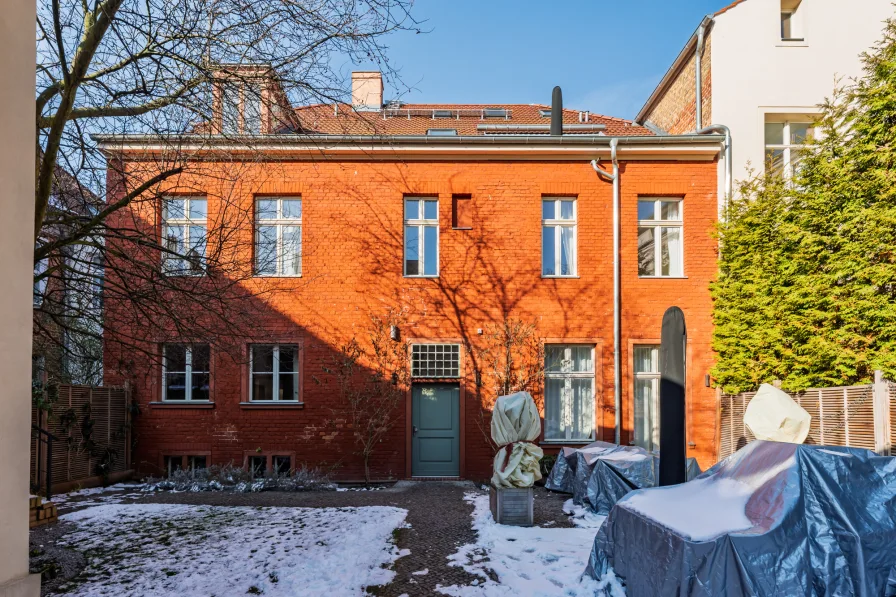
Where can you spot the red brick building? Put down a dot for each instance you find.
(459, 217)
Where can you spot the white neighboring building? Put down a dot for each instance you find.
(765, 66)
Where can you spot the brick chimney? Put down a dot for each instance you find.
(367, 90)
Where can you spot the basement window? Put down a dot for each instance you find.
(258, 466)
(441, 132)
(281, 465)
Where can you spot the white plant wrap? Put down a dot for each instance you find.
(516, 423)
(773, 415)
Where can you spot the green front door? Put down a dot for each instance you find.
(435, 416)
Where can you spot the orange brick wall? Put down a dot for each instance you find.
(352, 267)
(676, 112)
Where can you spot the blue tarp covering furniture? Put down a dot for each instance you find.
(599, 474)
(771, 519)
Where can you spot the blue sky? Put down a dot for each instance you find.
(607, 56)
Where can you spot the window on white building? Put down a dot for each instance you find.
(784, 142)
(569, 392)
(185, 372)
(558, 237)
(275, 373)
(647, 392)
(185, 234)
(660, 234)
(278, 236)
(792, 20)
(421, 237)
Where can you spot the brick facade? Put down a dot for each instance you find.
(675, 110)
(352, 268)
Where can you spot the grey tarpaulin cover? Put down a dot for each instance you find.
(599, 474)
(772, 519)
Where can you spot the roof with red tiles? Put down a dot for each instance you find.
(465, 119)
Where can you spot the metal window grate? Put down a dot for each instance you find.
(435, 360)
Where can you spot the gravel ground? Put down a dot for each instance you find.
(440, 522)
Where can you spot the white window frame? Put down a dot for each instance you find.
(658, 224)
(187, 223)
(654, 377)
(188, 374)
(566, 393)
(557, 224)
(787, 148)
(275, 374)
(421, 224)
(279, 223)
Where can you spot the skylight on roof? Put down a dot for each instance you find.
(494, 113)
(441, 132)
(545, 113)
(442, 114)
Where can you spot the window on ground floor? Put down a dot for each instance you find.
(274, 371)
(435, 360)
(185, 372)
(646, 393)
(569, 392)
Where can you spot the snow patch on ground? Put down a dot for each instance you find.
(187, 551)
(701, 509)
(581, 516)
(535, 562)
(421, 572)
(114, 494)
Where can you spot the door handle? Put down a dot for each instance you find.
(415, 430)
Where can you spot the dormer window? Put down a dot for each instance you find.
(792, 21)
(241, 108)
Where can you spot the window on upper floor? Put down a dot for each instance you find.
(558, 236)
(40, 282)
(784, 143)
(278, 236)
(569, 392)
(185, 235)
(660, 233)
(274, 372)
(185, 372)
(792, 20)
(421, 237)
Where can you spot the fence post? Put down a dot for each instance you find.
(881, 397)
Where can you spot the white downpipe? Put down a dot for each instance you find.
(729, 168)
(617, 296)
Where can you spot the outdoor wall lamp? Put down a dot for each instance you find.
(394, 333)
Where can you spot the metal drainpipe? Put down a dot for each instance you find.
(617, 296)
(729, 169)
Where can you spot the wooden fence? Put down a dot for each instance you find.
(856, 416)
(92, 427)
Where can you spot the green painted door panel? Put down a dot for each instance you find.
(435, 416)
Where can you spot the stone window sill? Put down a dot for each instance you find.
(185, 404)
(272, 405)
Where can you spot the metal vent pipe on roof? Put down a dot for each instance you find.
(557, 112)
